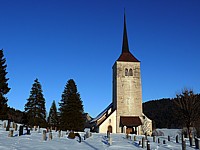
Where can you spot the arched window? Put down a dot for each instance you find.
(130, 72)
(126, 72)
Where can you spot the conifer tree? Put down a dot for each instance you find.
(53, 116)
(71, 108)
(35, 106)
(4, 89)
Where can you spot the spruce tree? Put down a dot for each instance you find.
(4, 89)
(71, 108)
(53, 116)
(35, 106)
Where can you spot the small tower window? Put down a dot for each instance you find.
(126, 72)
(130, 72)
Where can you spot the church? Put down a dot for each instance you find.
(124, 114)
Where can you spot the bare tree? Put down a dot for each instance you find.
(187, 108)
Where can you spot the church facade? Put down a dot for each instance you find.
(124, 114)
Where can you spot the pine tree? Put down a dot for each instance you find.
(35, 106)
(53, 116)
(71, 108)
(4, 89)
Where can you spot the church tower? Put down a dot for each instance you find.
(124, 114)
(127, 90)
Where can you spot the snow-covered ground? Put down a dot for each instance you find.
(95, 142)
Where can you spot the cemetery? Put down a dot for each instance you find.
(20, 137)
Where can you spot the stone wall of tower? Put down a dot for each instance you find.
(127, 90)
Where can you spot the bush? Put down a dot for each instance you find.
(71, 135)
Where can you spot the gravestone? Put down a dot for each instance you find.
(182, 138)
(44, 135)
(191, 141)
(88, 134)
(28, 131)
(50, 136)
(154, 138)
(62, 133)
(108, 134)
(16, 126)
(164, 142)
(38, 129)
(8, 125)
(10, 133)
(148, 145)
(177, 139)
(79, 137)
(143, 142)
(21, 128)
(110, 141)
(158, 140)
(59, 133)
(134, 138)
(168, 138)
(35, 128)
(197, 143)
(183, 145)
(84, 137)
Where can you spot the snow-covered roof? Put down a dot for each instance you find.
(102, 113)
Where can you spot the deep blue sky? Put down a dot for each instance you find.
(55, 41)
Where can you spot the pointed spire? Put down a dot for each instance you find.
(126, 55)
(125, 47)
